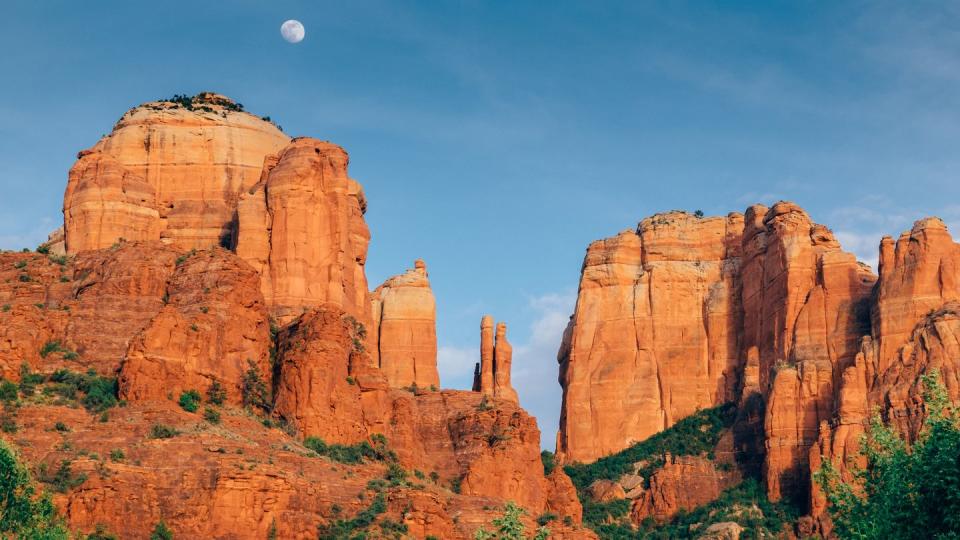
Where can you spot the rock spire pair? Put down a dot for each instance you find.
(491, 375)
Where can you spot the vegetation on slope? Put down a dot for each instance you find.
(697, 434)
(25, 512)
(905, 491)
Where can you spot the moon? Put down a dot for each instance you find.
(292, 31)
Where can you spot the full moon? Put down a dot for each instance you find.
(292, 31)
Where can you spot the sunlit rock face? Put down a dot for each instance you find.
(655, 334)
(169, 171)
(404, 329)
(302, 228)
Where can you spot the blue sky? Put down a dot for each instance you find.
(497, 139)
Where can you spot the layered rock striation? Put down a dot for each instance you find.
(171, 171)
(805, 339)
(404, 329)
(655, 335)
(301, 227)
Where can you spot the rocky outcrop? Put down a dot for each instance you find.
(170, 171)
(806, 303)
(915, 329)
(492, 375)
(213, 328)
(488, 447)
(302, 228)
(404, 329)
(683, 483)
(106, 202)
(655, 334)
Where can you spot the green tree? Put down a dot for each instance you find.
(24, 512)
(510, 527)
(905, 491)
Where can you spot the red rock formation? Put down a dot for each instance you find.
(106, 202)
(502, 363)
(655, 334)
(167, 172)
(491, 376)
(212, 328)
(404, 344)
(302, 228)
(683, 483)
(915, 329)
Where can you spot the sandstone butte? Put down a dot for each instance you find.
(764, 310)
(206, 249)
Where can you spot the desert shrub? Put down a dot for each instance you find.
(356, 526)
(64, 479)
(352, 454)
(163, 431)
(24, 278)
(510, 526)
(117, 455)
(189, 400)
(905, 491)
(8, 391)
(61, 427)
(161, 532)
(211, 415)
(20, 265)
(99, 393)
(254, 390)
(100, 532)
(25, 512)
(216, 393)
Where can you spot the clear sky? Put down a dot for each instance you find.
(496, 139)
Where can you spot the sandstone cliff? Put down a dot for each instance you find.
(655, 334)
(302, 228)
(404, 329)
(170, 170)
(801, 336)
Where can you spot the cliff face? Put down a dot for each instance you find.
(302, 228)
(404, 329)
(812, 340)
(655, 335)
(170, 171)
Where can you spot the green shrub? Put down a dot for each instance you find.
(61, 427)
(6, 307)
(905, 491)
(356, 526)
(117, 455)
(162, 431)
(20, 264)
(99, 393)
(8, 418)
(64, 479)
(211, 415)
(351, 454)
(510, 526)
(216, 393)
(549, 462)
(24, 278)
(190, 400)
(254, 390)
(26, 513)
(101, 533)
(42, 249)
(8, 391)
(161, 532)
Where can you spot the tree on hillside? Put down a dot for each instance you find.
(25, 513)
(905, 491)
